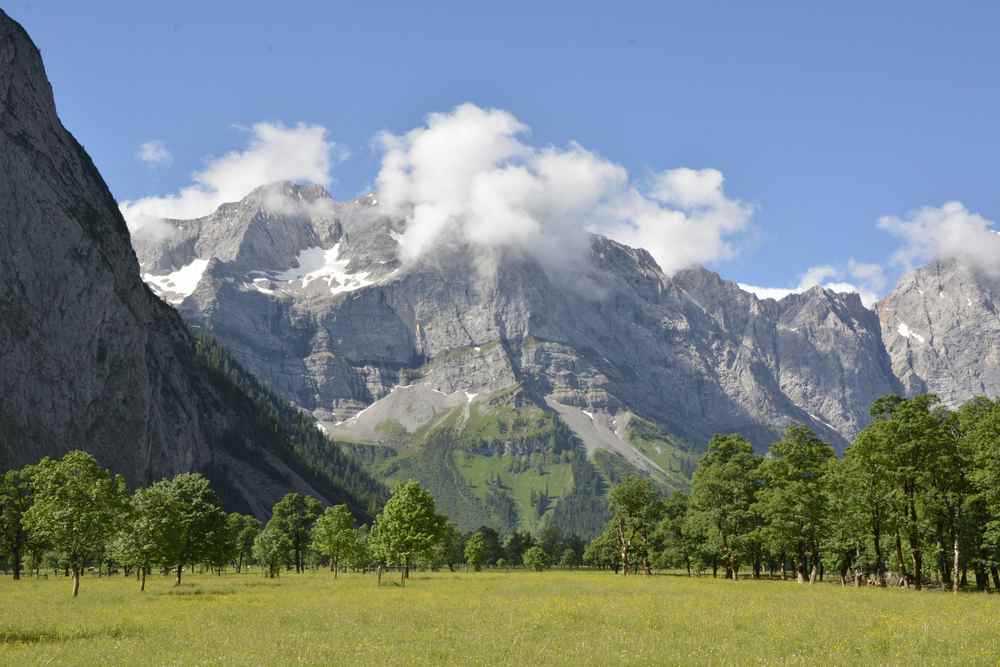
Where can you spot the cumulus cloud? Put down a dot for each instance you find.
(154, 153)
(950, 231)
(275, 152)
(469, 175)
(867, 280)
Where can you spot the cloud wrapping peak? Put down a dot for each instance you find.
(276, 152)
(469, 176)
(950, 231)
(867, 280)
(154, 153)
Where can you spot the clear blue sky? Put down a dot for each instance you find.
(824, 118)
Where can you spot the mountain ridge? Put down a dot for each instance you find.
(628, 369)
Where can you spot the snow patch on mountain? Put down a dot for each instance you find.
(179, 285)
(319, 264)
(906, 332)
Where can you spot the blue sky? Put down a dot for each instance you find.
(821, 118)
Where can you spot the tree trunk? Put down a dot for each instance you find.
(179, 569)
(15, 555)
(995, 572)
(980, 577)
(877, 544)
(899, 557)
(76, 581)
(955, 562)
(142, 579)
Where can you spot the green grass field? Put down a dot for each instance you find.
(522, 618)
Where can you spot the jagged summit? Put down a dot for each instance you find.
(942, 329)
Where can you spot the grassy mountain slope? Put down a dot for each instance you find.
(505, 462)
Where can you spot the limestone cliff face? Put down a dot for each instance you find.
(90, 358)
(331, 319)
(942, 329)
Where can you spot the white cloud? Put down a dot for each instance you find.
(950, 231)
(468, 175)
(868, 281)
(154, 153)
(276, 152)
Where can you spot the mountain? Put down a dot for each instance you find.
(942, 330)
(91, 359)
(515, 391)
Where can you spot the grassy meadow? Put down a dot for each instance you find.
(523, 618)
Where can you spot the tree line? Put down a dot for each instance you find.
(915, 499)
(72, 515)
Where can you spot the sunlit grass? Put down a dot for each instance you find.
(590, 618)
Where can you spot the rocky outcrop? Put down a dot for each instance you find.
(942, 330)
(90, 358)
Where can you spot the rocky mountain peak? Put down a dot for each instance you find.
(941, 328)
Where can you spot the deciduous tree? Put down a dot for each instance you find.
(476, 551)
(15, 499)
(333, 535)
(295, 514)
(407, 529)
(75, 509)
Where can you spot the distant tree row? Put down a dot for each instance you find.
(73, 515)
(915, 498)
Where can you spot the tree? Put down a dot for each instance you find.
(868, 462)
(271, 548)
(636, 509)
(476, 551)
(722, 497)
(494, 548)
(603, 550)
(359, 555)
(75, 509)
(536, 559)
(223, 549)
(15, 499)
(407, 529)
(333, 535)
(915, 439)
(982, 442)
(449, 547)
(146, 530)
(570, 558)
(551, 540)
(246, 529)
(793, 500)
(517, 544)
(295, 514)
(847, 527)
(676, 544)
(190, 519)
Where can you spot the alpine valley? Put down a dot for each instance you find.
(284, 342)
